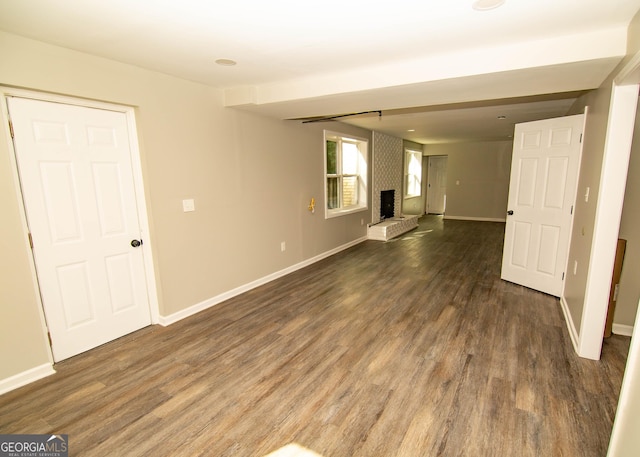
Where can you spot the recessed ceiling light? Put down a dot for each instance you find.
(502, 117)
(226, 62)
(484, 5)
(411, 130)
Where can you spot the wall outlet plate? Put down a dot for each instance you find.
(188, 205)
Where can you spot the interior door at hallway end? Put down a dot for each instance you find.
(437, 185)
(542, 191)
(75, 170)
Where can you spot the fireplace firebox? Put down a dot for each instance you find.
(387, 204)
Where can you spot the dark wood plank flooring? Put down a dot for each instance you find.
(413, 347)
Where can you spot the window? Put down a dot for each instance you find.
(412, 173)
(345, 174)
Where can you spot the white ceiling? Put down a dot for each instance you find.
(298, 59)
(465, 122)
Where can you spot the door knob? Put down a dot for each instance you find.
(136, 243)
(510, 213)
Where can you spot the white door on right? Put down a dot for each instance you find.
(542, 192)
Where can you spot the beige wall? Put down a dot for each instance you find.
(482, 170)
(23, 344)
(629, 292)
(625, 439)
(251, 178)
(598, 103)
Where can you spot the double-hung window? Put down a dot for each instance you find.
(345, 173)
(412, 173)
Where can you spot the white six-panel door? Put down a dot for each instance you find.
(542, 190)
(437, 179)
(75, 171)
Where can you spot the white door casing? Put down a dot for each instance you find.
(542, 191)
(77, 184)
(437, 192)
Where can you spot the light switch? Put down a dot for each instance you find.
(188, 205)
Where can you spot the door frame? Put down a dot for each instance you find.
(138, 182)
(615, 165)
(624, 430)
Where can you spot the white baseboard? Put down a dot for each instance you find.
(624, 330)
(480, 219)
(570, 327)
(618, 329)
(26, 377)
(194, 309)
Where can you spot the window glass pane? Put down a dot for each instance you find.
(415, 166)
(349, 158)
(332, 193)
(346, 174)
(332, 149)
(413, 186)
(349, 191)
(413, 173)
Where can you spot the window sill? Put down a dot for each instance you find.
(343, 212)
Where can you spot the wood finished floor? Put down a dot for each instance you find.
(413, 347)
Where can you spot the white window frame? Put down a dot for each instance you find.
(408, 155)
(363, 148)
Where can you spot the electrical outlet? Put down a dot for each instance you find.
(283, 246)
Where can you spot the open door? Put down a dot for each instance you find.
(542, 191)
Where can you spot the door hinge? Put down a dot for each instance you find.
(50, 340)
(581, 138)
(563, 275)
(11, 129)
(571, 210)
(30, 240)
